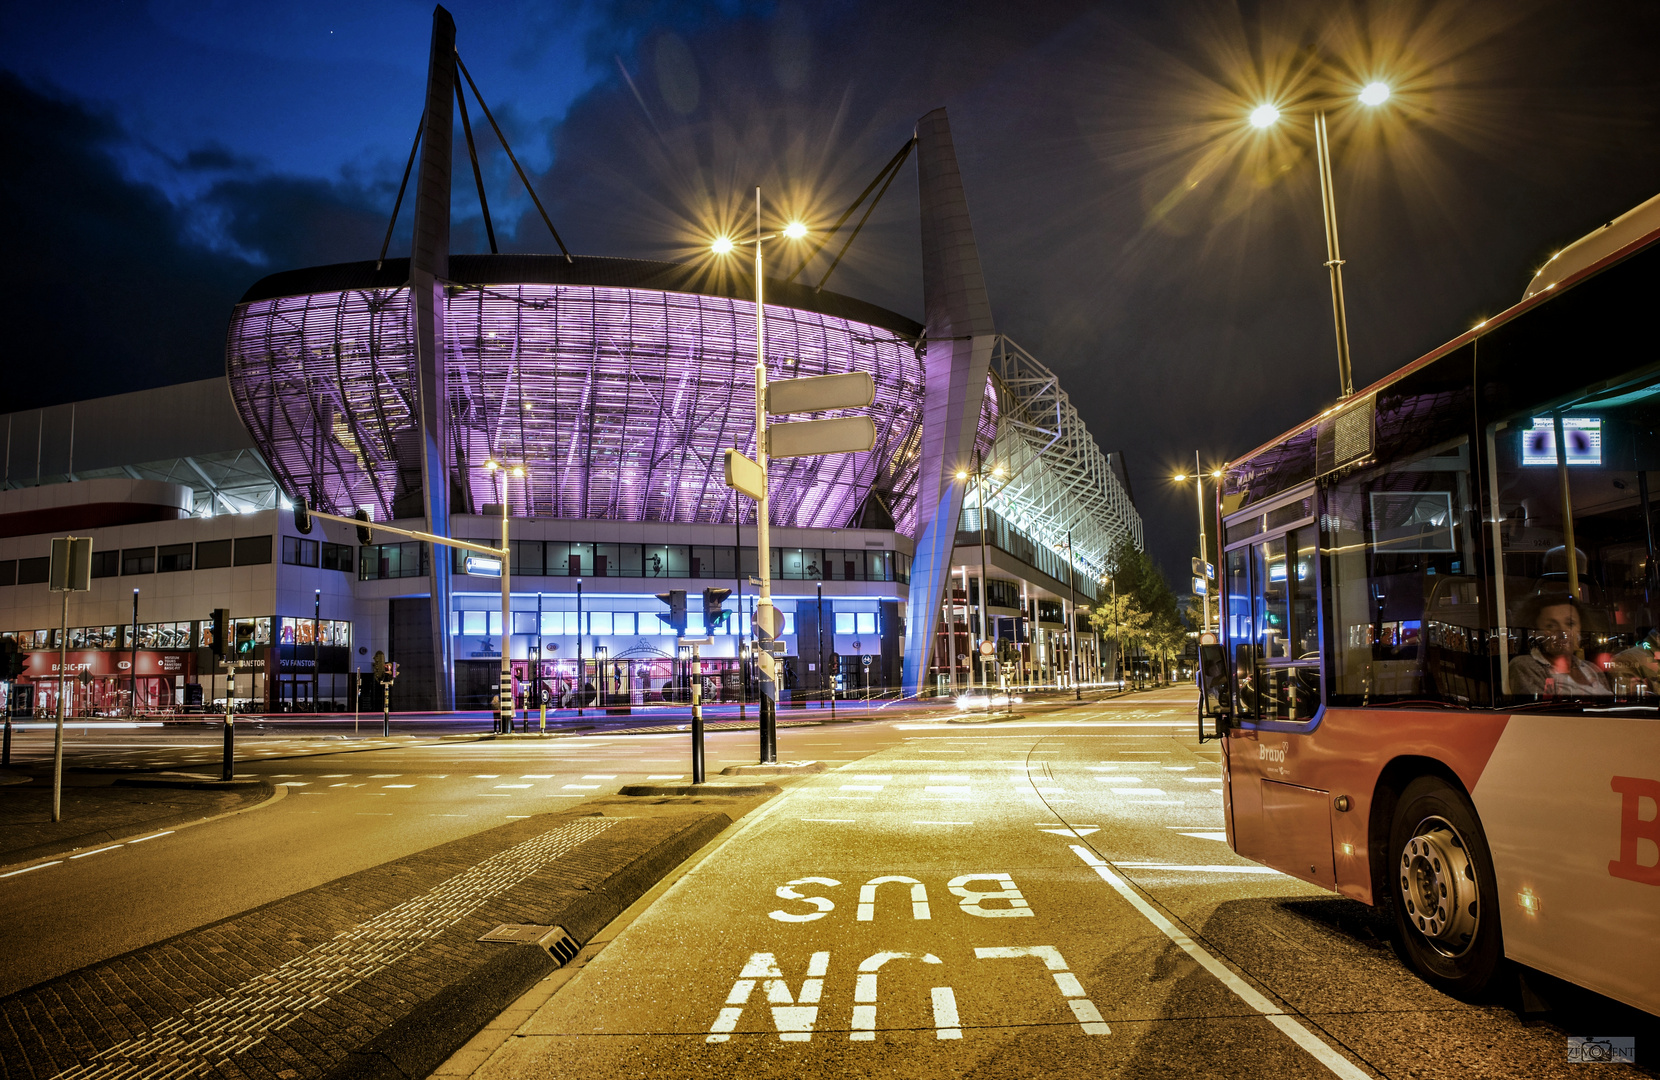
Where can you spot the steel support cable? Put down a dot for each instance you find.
(868, 211)
(512, 157)
(384, 244)
(478, 177)
(892, 166)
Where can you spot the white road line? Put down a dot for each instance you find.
(942, 823)
(27, 869)
(95, 851)
(1302, 1036)
(861, 787)
(667, 776)
(397, 785)
(581, 787)
(1118, 779)
(1137, 791)
(152, 836)
(1222, 836)
(1196, 869)
(601, 776)
(515, 785)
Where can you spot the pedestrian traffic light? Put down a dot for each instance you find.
(391, 670)
(302, 517)
(245, 638)
(713, 613)
(676, 601)
(364, 536)
(219, 632)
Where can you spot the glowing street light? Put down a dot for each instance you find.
(1198, 475)
(1266, 115)
(766, 622)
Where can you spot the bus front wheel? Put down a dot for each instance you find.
(1442, 889)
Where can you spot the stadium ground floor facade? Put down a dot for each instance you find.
(309, 612)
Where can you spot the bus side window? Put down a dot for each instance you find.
(1575, 477)
(1405, 603)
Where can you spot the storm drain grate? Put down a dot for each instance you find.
(552, 939)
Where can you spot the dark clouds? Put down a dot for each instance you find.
(1183, 304)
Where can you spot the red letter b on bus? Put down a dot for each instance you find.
(1634, 828)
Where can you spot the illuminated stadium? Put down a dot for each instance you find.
(617, 384)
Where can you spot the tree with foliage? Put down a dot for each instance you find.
(1146, 615)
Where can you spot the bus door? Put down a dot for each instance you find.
(1271, 593)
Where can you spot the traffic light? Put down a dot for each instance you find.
(380, 666)
(11, 659)
(713, 613)
(391, 670)
(302, 517)
(676, 601)
(219, 638)
(364, 536)
(245, 638)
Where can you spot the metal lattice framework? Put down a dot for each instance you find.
(618, 402)
(223, 482)
(1057, 478)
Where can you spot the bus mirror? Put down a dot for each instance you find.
(1213, 688)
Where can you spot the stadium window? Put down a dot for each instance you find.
(34, 571)
(172, 558)
(8, 571)
(212, 554)
(251, 550)
(867, 622)
(104, 564)
(844, 622)
(337, 557)
(138, 560)
(298, 552)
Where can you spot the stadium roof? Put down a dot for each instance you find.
(706, 279)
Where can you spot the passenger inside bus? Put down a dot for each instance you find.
(1638, 667)
(1553, 666)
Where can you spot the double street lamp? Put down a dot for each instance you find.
(1268, 115)
(1203, 562)
(767, 623)
(979, 476)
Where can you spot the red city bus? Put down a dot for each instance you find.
(1438, 684)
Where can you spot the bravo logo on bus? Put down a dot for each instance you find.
(1639, 822)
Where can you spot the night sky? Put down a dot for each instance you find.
(1137, 238)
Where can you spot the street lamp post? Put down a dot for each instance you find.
(316, 653)
(1204, 544)
(505, 711)
(767, 621)
(1267, 115)
(133, 661)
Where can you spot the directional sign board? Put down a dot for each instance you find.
(744, 476)
(482, 566)
(1200, 587)
(805, 438)
(854, 390)
(1203, 569)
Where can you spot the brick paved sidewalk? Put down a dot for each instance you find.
(302, 987)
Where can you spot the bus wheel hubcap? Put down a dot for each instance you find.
(1438, 886)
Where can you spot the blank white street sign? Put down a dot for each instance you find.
(805, 438)
(854, 390)
(744, 476)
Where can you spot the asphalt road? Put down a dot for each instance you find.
(1039, 897)
(1047, 895)
(342, 812)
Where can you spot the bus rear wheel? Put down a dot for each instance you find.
(1442, 889)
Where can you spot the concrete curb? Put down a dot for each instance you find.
(425, 1037)
(780, 768)
(713, 788)
(121, 834)
(187, 784)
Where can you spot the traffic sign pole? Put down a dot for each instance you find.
(697, 719)
(226, 768)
